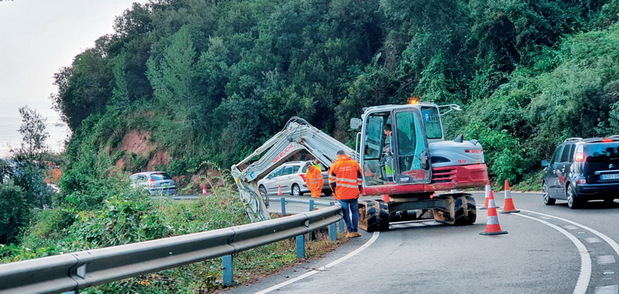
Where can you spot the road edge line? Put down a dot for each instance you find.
(585, 258)
(322, 268)
(612, 243)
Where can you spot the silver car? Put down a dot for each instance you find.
(289, 179)
(155, 182)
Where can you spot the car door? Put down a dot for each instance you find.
(293, 177)
(551, 172)
(270, 182)
(285, 180)
(279, 179)
(563, 169)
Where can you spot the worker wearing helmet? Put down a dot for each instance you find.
(313, 178)
(346, 182)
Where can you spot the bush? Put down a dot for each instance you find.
(123, 219)
(48, 226)
(14, 212)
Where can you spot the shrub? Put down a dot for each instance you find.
(14, 212)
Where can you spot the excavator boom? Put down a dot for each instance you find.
(297, 135)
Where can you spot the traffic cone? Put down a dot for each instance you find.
(486, 193)
(279, 190)
(508, 205)
(492, 224)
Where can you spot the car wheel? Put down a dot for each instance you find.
(572, 201)
(296, 190)
(546, 196)
(610, 202)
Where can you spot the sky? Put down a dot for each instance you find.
(37, 38)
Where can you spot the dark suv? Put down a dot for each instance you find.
(582, 170)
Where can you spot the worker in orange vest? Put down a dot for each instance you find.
(346, 181)
(313, 178)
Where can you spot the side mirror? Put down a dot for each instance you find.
(545, 163)
(355, 123)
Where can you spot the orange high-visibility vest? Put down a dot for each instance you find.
(314, 180)
(346, 174)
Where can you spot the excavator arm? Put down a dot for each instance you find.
(297, 135)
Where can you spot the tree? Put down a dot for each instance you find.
(14, 212)
(6, 171)
(33, 134)
(30, 169)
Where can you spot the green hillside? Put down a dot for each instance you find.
(182, 83)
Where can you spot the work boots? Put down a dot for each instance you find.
(353, 235)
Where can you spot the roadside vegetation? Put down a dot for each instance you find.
(128, 216)
(211, 80)
(193, 86)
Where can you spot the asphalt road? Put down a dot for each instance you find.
(549, 249)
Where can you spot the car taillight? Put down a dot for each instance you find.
(606, 140)
(303, 177)
(579, 157)
(581, 181)
(474, 151)
(151, 182)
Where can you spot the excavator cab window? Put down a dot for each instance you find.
(411, 147)
(378, 157)
(373, 151)
(395, 148)
(432, 122)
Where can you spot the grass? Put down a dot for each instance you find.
(125, 219)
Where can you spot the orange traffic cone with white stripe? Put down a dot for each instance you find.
(486, 193)
(492, 224)
(279, 190)
(508, 205)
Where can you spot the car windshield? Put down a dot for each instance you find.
(160, 176)
(601, 151)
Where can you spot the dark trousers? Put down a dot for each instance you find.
(350, 209)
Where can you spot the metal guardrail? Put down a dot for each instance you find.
(83, 269)
(311, 203)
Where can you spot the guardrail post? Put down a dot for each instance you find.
(228, 275)
(282, 203)
(332, 232)
(312, 204)
(301, 246)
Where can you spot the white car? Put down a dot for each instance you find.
(155, 182)
(289, 179)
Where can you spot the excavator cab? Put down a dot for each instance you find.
(394, 144)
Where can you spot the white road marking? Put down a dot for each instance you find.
(585, 259)
(612, 289)
(570, 227)
(606, 259)
(607, 239)
(593, 240)
(323, 268)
